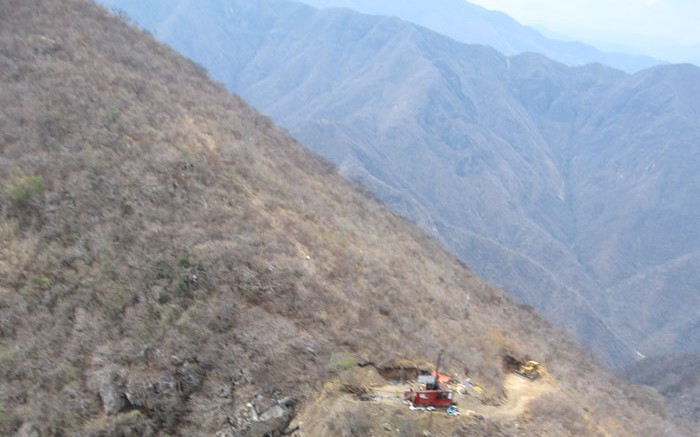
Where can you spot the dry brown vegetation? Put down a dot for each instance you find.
(168, 256)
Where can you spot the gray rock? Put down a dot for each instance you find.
(262, 404)
(149, 393)
(188, 380)
(111, 389)
(273, 422)
(45, 45)
(274, 414)
(289, 401)
(164, 386)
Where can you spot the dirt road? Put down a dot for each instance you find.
(520, 392)
(335, 409)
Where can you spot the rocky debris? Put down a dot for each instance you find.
(262, 404)
(240, 377)
(224, 392)
(110, 386)
(146, 394)
(188, 378)
(147, 401)
(261, 418)
(244, 416)
(276, 418)
(288, 402)
(45, 45)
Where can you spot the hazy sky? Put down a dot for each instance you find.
(675, 20)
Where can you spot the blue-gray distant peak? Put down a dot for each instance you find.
(473, 24)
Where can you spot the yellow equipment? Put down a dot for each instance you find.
(530, 370)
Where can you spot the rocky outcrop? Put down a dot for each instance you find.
(260, 418)
(110, 386)
(158, 399)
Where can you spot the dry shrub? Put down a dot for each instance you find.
(359, 380)
(167, 220)
(356, 425)
(555, 409)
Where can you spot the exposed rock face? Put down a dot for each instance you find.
(111, 389)
(275, 421)
(149, 393)
(158, 399)
(260, 418)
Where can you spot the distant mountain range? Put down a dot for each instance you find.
(573, 187)
(472, 24)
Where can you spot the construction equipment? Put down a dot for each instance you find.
(530, 370)
(435, 393)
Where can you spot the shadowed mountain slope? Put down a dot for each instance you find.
(173, 264)
(675, 377)
(568, 186)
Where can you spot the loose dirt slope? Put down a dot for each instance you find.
(520, 392)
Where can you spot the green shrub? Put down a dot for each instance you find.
(184, 261)
(7, 358)
(111, 114)
(163, 270)
(27, 189)
(341, 362)
(42, 282)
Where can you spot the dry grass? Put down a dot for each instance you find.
(154, 226)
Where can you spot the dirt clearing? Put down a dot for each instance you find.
(335, 410)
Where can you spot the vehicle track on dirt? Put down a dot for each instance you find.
(520, 392)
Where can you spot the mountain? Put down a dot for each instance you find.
(675, 377)
(572, 187)
(472, 24)
(174, 264)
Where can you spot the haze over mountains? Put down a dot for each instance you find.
(574, 187)
(473, 24)
(174, 264)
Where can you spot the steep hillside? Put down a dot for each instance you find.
(571, 187)
(472, 24)
(173, 264)
(405, 141)
(675, 377)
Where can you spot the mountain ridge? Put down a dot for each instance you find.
(174, 264)
(472, 24)
(535, 157)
